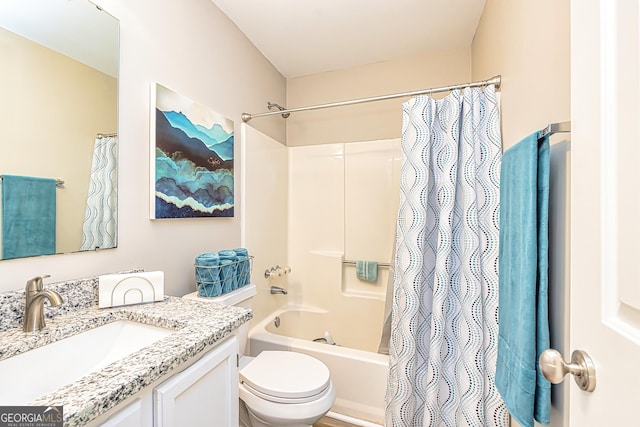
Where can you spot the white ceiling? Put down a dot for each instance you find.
(302, 37)
(75, 28)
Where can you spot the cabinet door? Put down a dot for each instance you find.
(136, 414)
(204, 394)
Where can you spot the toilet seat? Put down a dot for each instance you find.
(286, 377)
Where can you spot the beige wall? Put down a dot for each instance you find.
(528, 44)
(193, 48)
(57, 107)
(372, 121)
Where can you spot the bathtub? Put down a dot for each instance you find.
(359, 376)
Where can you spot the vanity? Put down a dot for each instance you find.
(184, 373)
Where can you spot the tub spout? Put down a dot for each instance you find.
(278, 290)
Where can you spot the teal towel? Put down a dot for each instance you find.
(367, 271)
(227, 254)
(523, 281)
(28, 216)
(243, 271)
(228, 270)
(207, 275)
(227, 275)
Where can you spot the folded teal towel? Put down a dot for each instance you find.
(243, 270)
(228, 270)
(523, 281)
(208, 259)
(241, 251)
(227, 275)
(227, 254)
(207, 275)
(367, 271)
(28, 216)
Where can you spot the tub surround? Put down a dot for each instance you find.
(198, 326)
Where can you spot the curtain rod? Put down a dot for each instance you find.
(106, 135)
(285, 112)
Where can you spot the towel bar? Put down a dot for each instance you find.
(59, 182)
(380, 264)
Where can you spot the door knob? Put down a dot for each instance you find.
(554, 368)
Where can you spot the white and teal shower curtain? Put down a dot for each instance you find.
(445, 301)
(99, 229)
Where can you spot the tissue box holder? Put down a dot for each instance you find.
(131, 288)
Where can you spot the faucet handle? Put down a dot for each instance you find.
(36, 283)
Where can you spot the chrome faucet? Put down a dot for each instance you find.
(34, 305)
(278, 290)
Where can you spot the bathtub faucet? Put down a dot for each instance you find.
(278, 290)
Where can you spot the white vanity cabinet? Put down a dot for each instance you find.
(203, 394)
(135, 414)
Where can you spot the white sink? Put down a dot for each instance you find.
(40, 371)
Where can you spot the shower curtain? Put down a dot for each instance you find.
(99, 229)
(445, 301)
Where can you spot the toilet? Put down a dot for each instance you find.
(277, 388)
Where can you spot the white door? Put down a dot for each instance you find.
(605, 208)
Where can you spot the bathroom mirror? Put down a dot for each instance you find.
(59, 86)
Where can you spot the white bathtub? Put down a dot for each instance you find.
(359, 377)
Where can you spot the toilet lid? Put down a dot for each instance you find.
(286, 374)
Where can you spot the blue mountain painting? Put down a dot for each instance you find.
(193, 168)
(216, 138)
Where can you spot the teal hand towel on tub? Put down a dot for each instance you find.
(523, 281)
(28, 216)
(367, 271)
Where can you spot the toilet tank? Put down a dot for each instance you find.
(241, 297)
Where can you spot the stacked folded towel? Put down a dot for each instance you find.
(223, 271)
(243, 270)
(228, 267)
(207, 278)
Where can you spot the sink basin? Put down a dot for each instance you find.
(43, 370)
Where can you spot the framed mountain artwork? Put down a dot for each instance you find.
(191, 158)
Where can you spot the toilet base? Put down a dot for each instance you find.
(262, 413)
(247, 419)
(244, 415)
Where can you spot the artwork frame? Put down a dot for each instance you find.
(191, 158)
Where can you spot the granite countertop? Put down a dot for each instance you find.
(198, 327)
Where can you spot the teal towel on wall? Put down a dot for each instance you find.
(523, 281)
(367, 271)
(28, 216)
